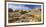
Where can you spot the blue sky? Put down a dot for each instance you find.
(22, 6)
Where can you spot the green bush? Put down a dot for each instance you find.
(23, 12)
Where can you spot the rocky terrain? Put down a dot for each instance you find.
(19, 16)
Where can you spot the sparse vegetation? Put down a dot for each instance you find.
(24, 16)
(23, 12)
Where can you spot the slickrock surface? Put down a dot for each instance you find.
(24, 16)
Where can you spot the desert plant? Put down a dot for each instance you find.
(23, 12)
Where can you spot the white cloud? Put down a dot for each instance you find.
(19, 7)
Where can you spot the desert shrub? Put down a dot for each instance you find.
(23, 12)
(16, 10)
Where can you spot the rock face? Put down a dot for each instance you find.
(10, 10)
(24, 16)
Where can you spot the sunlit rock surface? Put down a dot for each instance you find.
(19, 16)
